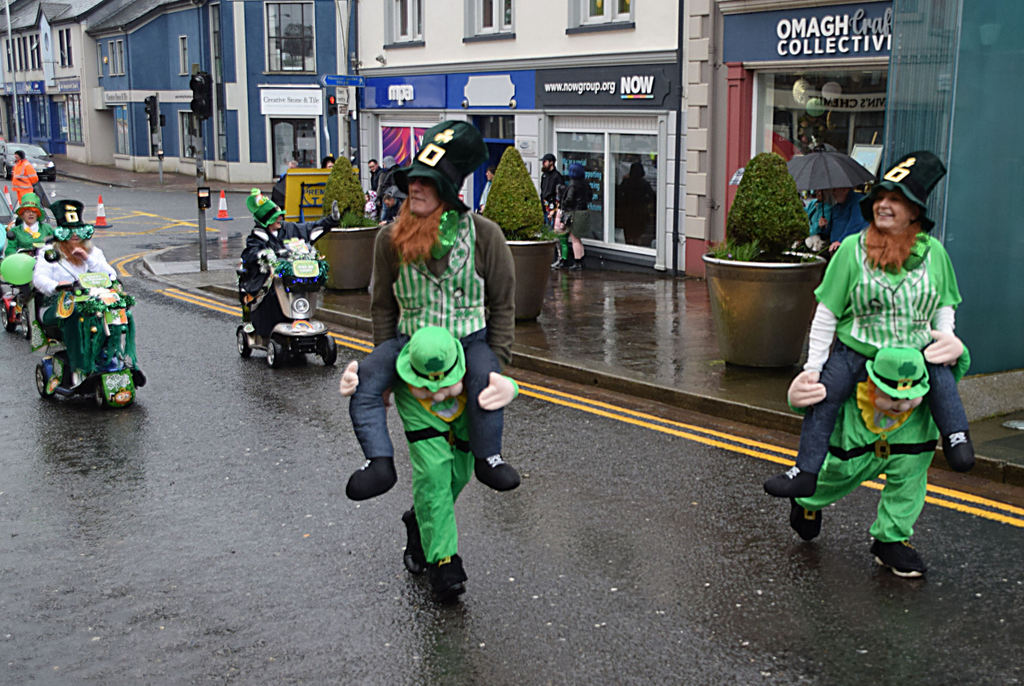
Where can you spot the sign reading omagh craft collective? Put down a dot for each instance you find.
(837, 31)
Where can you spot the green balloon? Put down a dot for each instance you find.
(17, 269)
(815, 107)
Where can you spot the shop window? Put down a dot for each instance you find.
(74, 115)
(400, 142)
(187, 140)
(622, 170)
(405, 20)
(290, 36)
(800, 111)
(488, 17)
(122, 132)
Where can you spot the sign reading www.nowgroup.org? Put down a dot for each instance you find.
(645, 86)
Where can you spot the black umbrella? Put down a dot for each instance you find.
(827, 169)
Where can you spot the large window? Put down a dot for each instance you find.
(115, 53)
(64, 43)
(122, 137)
(799, 111)
(406, 20)
(622, 171)
(74, 115)
(187, 140)
(290, 36)
(35, 57)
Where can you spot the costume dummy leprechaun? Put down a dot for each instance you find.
(891, 285)
(30, 230)
(437, 265)
(883, 428)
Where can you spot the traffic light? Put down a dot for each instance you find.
(332, 106)
(153, 113)
(202, 95)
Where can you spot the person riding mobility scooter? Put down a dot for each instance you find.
(279, 282)
(25, 235)
(84, 318)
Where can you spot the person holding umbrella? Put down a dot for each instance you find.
(833, 216)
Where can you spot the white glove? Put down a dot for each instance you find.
(349, 379)
(815, 243)
(945, 349)
(500, 392)
(805, 390)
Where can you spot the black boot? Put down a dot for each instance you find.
(495, 472)
(959, 451)
(374, 478)
(577, 264)
(794, 483)
(807, 523)
(448, 579)
(413, 558)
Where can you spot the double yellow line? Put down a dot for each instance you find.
(937, 495)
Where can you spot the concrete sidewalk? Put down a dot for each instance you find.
(645, 335)
(122, 178)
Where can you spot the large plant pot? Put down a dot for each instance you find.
(762, 310)
(533, 269)
(349, 252)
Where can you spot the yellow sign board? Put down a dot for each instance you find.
(304, 194)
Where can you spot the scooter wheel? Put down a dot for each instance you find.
(5, 319)
(275, 354)
(328, 350)
(27, 324)
(244, 349)
(99, 396)
(41, 379)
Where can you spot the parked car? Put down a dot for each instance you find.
(36, 156)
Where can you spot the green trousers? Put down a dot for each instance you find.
(902, 497)
(439, 473)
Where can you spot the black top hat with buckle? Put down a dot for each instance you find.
(915, 175)
(450, 151)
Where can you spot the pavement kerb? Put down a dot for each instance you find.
(156, 186)
(999, 471)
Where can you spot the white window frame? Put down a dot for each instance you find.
(608, 16)
(412, 13)
(266, 37)
(121, 62)
(99, 58)
(476, 10)
(66, 54)
(35, 58)
(183, 63)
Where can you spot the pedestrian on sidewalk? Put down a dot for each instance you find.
(576, 215)
(23, 175)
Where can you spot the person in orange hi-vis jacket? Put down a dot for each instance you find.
(24, 176)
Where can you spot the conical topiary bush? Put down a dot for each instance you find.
(513, 202)
(767, 208)
(343, 186)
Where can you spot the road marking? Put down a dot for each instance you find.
(938, 495)
(120, 263)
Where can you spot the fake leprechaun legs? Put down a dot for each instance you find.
(439, 473)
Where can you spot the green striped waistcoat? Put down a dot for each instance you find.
(888, 314)
(454, 300)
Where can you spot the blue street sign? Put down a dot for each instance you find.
(342, 80)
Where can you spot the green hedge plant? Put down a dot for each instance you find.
(343, 186)
(513, 202)
(767, 210)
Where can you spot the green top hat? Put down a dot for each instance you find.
(915, 175)
(450, 151)
(263, 209)
(68, 216)
(432, 359)
(30, 201)
(899, 372)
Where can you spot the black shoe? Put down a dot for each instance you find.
(792, 484)
(900, 557)
(558, 264)
(447, 579)
(576, 266)
(807, 523)
(414, 559)
(374, 478)
(496, 473)
(959, 451)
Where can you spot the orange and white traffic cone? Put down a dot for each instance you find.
(7, 198)
(222, 209)
(101, 215)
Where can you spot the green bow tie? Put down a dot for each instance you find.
(446, 233)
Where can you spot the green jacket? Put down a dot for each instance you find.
(23, 239)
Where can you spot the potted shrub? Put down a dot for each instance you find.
(762, 294)
(348, 248)
(513, 203)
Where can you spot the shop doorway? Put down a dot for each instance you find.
(499, 133)
(293, 139)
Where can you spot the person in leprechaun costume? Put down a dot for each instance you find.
(29, 230)
(891, 285)
(73, 254)
(431, 399)
(441, 265)
(267, 237)
(885, 427)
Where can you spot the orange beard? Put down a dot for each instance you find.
(889, 251)
(76, 256)
(413, 236)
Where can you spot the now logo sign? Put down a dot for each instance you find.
(636, 87)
